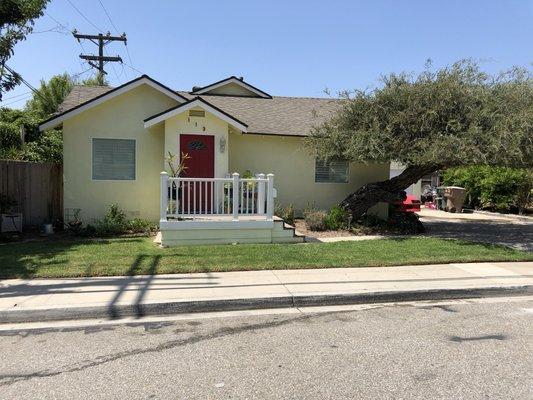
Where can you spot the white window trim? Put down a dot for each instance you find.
(333, 183)
(114, 180)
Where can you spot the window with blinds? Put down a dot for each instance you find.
(332, 171)
(114, 159)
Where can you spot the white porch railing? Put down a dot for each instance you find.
(194, 198)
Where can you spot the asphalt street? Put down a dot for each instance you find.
(479, 349)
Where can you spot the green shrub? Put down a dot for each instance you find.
(285, 213)
(115, 223)
(496, 188)
(337, 218)
(315, 220)
(6, 203)
(139, 225)
(9, 135)
(371, 220)
(104, 228)
(369, 224)
(48, 147)
(405, 223)
(115, 215)
(90, 231)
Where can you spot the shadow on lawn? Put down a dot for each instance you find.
(16, 259)
(117, 287)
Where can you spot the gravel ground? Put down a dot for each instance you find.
(301, 227)
(461, 350)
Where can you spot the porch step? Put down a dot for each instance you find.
(176, 233)
(289, 232)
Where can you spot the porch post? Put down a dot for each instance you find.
(235, 200)
(164, 196)
(261, 194)
(270, 198)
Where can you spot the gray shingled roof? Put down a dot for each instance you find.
(292, 116)
(81, 94)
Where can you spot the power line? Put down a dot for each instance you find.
(51, 30)
(116, 29)
(22, 80)
(14, 97)
(2, 104)
(56, 21)
(133, 68)
(25, 82)
(128, 52)
(74, 76)
(109, 17)
(124, 71)
(115, 71)
(83, 15)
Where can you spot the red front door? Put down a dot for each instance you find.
(197, 196)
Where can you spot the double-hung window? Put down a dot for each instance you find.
(331, 171)
(113, 159)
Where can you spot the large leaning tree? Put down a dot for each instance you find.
(455, 116)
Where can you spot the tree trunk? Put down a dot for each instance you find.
(388, 191)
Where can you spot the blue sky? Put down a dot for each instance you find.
(291, 48)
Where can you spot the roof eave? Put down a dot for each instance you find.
(58, 119)
(194, 102)
(235, 80)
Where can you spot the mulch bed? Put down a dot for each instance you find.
(301, 227)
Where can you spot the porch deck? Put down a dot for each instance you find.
(221, 210)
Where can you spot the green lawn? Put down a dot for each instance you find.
(75, 258)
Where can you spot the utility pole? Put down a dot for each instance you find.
(100, 40)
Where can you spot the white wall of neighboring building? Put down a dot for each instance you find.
(415, 189)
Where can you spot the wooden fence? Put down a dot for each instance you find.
(36, 187)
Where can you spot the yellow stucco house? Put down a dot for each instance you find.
(116, 141)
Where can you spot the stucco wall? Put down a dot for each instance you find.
(294, 170)
(208, 125)
(122, 117)
(118, 118)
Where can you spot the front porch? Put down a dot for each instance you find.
(221, 210)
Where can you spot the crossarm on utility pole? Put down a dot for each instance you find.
(100, 40)
(98, 58)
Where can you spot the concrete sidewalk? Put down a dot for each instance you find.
(114, 297)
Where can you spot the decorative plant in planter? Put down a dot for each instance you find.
(6, 206)
(176, 170)
(6, 203)
(248, 192)
(74, 223)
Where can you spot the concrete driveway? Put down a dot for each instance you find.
(506, 230)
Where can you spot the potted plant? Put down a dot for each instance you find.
(6, 211)
(75, 223)
(176, 170)
(249, 191)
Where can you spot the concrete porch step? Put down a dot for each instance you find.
(226, 231)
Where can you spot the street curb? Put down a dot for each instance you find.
(182, 307)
